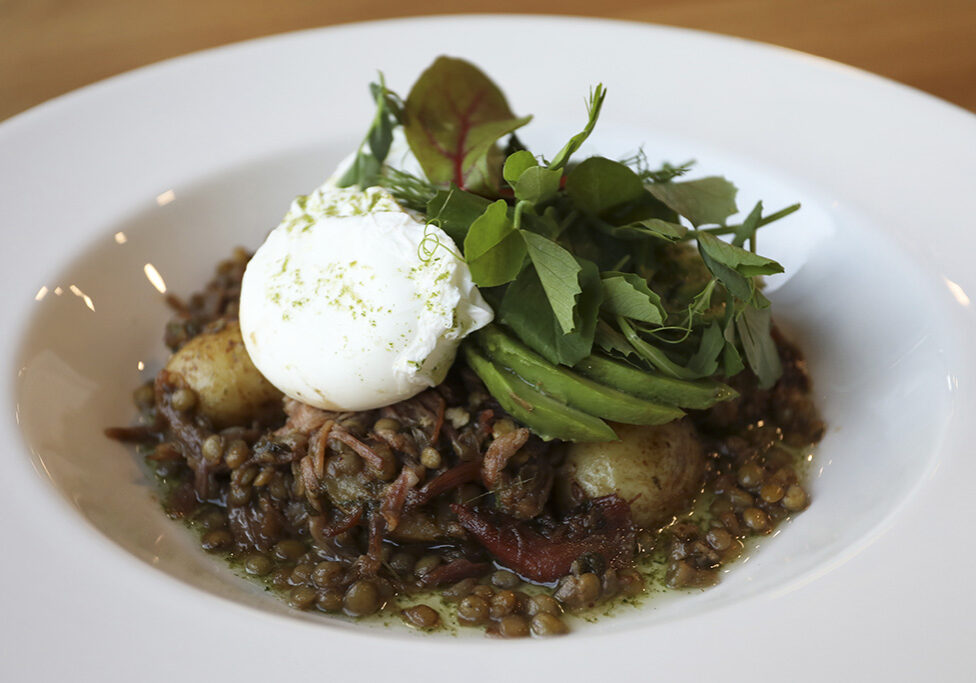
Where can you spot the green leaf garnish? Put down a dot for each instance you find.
(538, 185)
(585, 258)
(493, 248)
(703, 202)
(525, 308)
(516, 164)
(559, 276)
(454, 210)
(754, 326)
(368, 162)
(627, 295)
(593, 106)
(453, 117)
(599, 185)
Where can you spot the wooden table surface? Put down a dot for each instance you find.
(48, 47)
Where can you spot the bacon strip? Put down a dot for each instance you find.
(609, 532)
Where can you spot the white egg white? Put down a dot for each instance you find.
(353, 304)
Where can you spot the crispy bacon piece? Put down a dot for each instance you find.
(603, 527)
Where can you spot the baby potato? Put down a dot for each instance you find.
(230, 390)
(658, 469)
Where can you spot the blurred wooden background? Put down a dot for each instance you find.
(48, 47)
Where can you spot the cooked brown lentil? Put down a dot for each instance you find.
(513, 626)
(545, 624)
(303, 517)
(421, 616)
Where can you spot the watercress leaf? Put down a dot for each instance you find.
(538, 185)
(753, 326)
(454, 210)
(747, 230)
(627, 294)
(593, 106)
(493, 247)
(743, 262)
(516, 164)
(453, 117)
(559, 274)
(525, 309)
(599, 184)
(704, 201)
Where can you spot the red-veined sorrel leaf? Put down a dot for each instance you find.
(454, 115)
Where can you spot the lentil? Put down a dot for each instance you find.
(755, 519)
(218, 539)
(430, 458)
(795, 498)
(328, 601)
(513, 626)
(543, 604)
(421, 616)
(771, 493)
(302, 597)
(386, 424)
(289, 549)
(213, 448)
(504, 579)
(326, 573)
(473, 610)
(258, 565)
(426, 564)
(503, 603)
(361, 598)
(237, 453)
(545, 624)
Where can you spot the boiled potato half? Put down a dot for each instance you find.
(230, 390)
(658, 470)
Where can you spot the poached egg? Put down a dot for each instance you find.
(353, 304)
